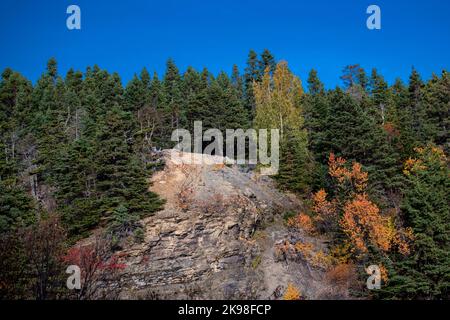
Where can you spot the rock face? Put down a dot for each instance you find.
(203, 244)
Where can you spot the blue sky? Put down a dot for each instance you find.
(125, 36)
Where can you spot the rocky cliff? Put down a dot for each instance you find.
(215, 237)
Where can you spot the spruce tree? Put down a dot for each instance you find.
(267, 61)
(316, 106)
(174, 104)
(425, 273)
(437, 104)
(120, 175)
(252, 74)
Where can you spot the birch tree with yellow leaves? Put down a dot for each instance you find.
(278, 106)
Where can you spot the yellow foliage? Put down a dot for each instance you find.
(425, 155)
(304, 248)
(413, 165)
(316, 259)
(292, 293)
(342, 253)
(277, 100)
(321, 259)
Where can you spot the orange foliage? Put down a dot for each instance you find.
(302, 221)
(218, 166)
(322, 207)
(402, 239)
(342, 274)
(356, 177)
(363, 223)
(360, 219)
(391, 130)
(292, 293)
(336, 168)
(384, 273)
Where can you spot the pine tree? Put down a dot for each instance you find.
(135, 95)
(437, 102)
(76, 192)
(355, 81)
(252, 74)
(174, 104)
(195, 93)
(417, 107)
(16, 207)
(237, 81)
(267, 61)
(316, 107)
(316, 116)
(379, 96)
(225, 107)
(425, 273)
(120, 176)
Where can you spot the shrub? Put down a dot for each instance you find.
(292, 293)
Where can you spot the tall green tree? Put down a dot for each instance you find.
(425, 273)
(120, 175)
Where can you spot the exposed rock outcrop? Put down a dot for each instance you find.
(202, 244)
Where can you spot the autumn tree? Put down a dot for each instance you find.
(353, 215)
(99, 269)
(278, 106)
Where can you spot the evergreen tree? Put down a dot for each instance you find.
(425, 273)
(120, 176)
(437, 102)
(76, 188)
(135, 95)
(316, 117)
(267, 61)
(174, 104)
(355, 81)
(380, 97)
(195, 93)
(237, 81)
(227, 109)
(316, 107)
(16, 207)
(252, 74)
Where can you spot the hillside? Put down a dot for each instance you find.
(215, 238)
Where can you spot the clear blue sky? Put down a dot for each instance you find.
(125, 36)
